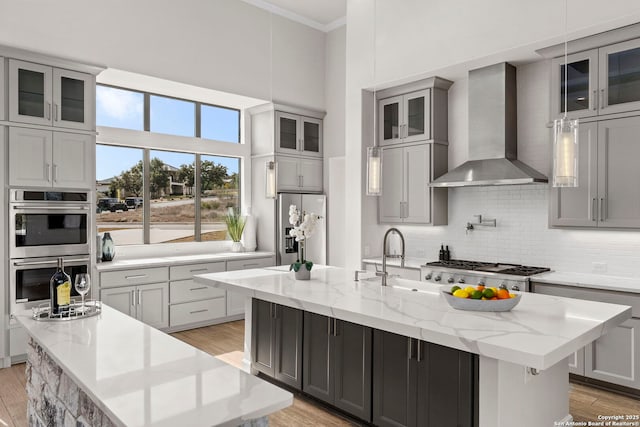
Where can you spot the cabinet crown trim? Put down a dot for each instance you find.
(431, 82)
(301, 111)
(52, 61)
(592, 42)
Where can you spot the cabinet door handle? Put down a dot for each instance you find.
(419, 350)
(47, 171)
(198, 269)
(251, 265)
(55, 173)
(602, 209)
(198, 311)
(410, 348)
(301, 180)
(48, 110)
(135, 276)
(335, 327)
(139, 297)
(594, 209)
(602, 99)
(595, 100)
(133, 298)
(55, 112)
(329, 324)
(198, 289)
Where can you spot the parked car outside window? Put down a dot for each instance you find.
(133, 202)
(111, 204)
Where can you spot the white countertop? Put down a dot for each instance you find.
(161, 261)
(414, 263)
(140, 376)
(586, 280)
(540, 332)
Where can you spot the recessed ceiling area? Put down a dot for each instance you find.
(323, 15)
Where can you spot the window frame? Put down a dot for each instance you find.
(150, 141)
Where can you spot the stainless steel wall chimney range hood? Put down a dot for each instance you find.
(493, 143)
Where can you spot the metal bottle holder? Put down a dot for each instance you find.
(75, 311)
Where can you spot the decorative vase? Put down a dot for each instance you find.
(236, 247)
(303, 273)
(249, 234)
(108, 248)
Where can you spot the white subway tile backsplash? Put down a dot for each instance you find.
(522, 234)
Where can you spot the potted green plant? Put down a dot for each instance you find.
(304, 225)
(235, 227)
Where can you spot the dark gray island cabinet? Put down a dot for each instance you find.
(379, 377)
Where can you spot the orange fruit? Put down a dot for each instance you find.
(502, 294)
(480, 287)
(494, 298)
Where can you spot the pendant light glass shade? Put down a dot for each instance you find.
(270, 180)
(565, 153)
(374, 171)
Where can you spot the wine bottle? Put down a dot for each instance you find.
(447, 254)
(60, 290)
(441, 253)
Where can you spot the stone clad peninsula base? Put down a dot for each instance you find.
(55, 400)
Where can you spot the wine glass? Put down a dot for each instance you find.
(82, 285)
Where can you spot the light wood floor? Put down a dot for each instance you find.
(226, 342)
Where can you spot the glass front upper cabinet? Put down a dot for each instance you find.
(404, 118)
(581, 85)
(298, 135)
(619, 77)
(44, 95)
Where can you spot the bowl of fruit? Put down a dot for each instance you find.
(480, 298)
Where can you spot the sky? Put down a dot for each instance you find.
(125, 109)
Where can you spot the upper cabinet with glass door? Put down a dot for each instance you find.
(599, 81)
(405, 118)
(43, 95)
(298, 135)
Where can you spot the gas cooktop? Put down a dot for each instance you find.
(490, 267)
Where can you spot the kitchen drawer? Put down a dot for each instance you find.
(250, 263)
(613, 297)
(188, 290)
(197, 311)
(180, 272)
(137, 276)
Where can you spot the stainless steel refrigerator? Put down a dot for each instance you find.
(316, 246)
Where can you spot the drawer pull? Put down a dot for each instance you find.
(135, 276)
(198, 289)
(198, 311)
(251, 265)
(198, 269)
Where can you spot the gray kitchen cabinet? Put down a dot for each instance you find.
(599, 81)
(44, 95)
(405, 118)
(41, 158)
(406, 195)
(337, 363)
(298, 174)
(416, 383)
(608, 195)
(298, 135)
(277, 342)
(147, 303)
(614, 357)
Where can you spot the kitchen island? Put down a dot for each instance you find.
(522, 374)
(112, 370)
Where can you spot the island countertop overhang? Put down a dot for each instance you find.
(540, 332)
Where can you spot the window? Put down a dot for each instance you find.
(171, 186)
(221, 124)
(119, 180)
(172, 116)
(189, 188)
(220, 190)
(119, 108)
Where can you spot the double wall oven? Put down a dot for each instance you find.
(44, 226)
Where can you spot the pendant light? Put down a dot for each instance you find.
(270, 165)
(565, 135)
(374, 154)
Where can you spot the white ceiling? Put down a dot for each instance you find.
(323, 15)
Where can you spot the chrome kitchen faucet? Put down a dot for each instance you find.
(385, 255)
